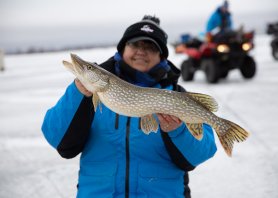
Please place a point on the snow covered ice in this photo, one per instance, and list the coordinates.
(33, 83)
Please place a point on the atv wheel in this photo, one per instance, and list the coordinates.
(211, 70)
(275, 53)
(248, 68)
(187, 70)
(224, 74)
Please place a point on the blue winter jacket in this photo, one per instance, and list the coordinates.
(117, 158)
(221, 20)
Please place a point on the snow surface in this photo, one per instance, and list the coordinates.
(30, 167)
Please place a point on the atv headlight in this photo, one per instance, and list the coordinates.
(246, 46)
(223, 48)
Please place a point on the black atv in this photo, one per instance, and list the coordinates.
(272, 29)
(218, 56)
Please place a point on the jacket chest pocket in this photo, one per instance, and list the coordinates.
(105, 121)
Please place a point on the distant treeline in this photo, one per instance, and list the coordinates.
(32, 50)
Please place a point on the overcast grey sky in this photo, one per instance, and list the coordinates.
(67, 12)
(56, 23)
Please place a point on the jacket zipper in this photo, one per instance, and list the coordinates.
(127, 158)
(117, 121)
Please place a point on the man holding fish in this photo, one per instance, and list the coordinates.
(120, 155)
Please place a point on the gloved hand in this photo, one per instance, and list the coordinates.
(208, 37)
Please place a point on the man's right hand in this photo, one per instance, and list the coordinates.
(82, 89)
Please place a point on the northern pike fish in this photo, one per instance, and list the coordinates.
(127, 99)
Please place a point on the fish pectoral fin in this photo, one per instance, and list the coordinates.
(205, 100)
(149, 124)
(96, 102)
(196, 129)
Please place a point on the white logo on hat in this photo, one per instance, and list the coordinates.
(146, 28)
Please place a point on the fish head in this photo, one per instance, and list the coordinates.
(90, 74)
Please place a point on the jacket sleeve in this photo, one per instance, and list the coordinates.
(213, 22)
(66, 126)
(186, 151)
(193, 150)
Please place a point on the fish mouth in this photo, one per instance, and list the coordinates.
(78, 62)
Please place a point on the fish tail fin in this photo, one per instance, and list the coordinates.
(228, 137)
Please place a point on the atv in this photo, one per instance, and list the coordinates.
(272, 29)
(217, 56)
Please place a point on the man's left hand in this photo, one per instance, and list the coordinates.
(168, 122)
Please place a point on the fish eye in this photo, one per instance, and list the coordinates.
(89, 67)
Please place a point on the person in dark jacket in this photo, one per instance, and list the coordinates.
(117, 159)
(220, 21)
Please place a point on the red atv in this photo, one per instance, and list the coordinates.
(217, 56)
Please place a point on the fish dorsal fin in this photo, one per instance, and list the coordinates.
(149, 124)
(205, 100)
(96, 102)
(196, 129)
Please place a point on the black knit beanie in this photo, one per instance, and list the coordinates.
(146, 29)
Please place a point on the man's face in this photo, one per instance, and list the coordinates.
(141, 55)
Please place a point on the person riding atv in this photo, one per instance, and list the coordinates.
(220, 52)
(219, 22)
